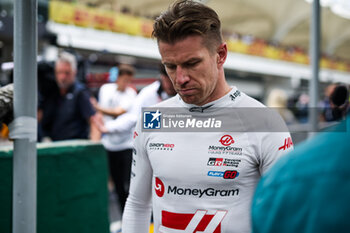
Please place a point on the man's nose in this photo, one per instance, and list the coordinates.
(181, 76)
(68, 75)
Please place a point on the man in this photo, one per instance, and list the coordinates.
(115, 99)
(67, 112)
(307, 190)
(180, 173)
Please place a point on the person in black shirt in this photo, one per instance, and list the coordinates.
(67, 112)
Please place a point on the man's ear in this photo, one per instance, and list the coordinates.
(222, 54)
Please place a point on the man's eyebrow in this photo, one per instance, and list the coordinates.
(193, 59)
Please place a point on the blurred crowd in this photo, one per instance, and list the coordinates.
(333, 106)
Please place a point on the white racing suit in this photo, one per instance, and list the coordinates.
(199, 181)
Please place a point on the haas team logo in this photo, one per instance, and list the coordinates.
(287, 144)
(201, 221)
(159, 187)
(226, 140)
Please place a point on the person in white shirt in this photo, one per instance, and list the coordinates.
(150, 95)
(115, 99)
(193, 181)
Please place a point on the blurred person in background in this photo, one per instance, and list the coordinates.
(113, 97)
(301, 106)
(172, 171)
(114, 100)
(336, 102)
(325, 104)
(307, 190)
(66, 113)
(339, 102)
(278, 100)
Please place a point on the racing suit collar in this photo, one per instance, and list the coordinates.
(221, 102)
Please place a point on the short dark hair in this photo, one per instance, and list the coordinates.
(340, 95)
(126, 70)
(186, 18)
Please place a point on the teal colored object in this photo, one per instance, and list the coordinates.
(113, 74)
(72, 191)
(308, 190)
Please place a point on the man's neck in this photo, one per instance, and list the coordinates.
(63, 91)
(120, 89)
(221, 90)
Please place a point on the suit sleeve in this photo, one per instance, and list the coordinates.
(273, 146)
(137, 212)
(275, 143)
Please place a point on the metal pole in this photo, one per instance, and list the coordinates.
(25, 102)
(314, 55)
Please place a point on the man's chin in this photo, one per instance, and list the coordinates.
(64, 85)
(189, 99)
